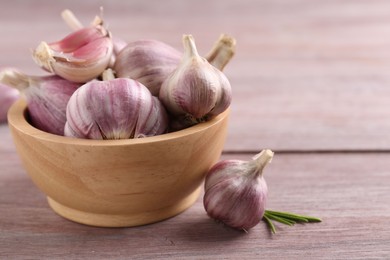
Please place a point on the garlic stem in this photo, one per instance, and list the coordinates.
(98, 20)
(71, 20)
(43, 56)
(108, 74)
(189, 46)
(222, 52)
(15, 79)
(261, 160)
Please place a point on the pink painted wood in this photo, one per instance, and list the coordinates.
(308, 76)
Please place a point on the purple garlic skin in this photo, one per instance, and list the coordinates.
(236, 192)
(195, 91)
(119, 44)
(8, 96)
(114, 109)
(46, 96)
(147, 61)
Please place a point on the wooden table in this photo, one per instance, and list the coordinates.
(311, 81)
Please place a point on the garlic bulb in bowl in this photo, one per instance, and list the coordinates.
(118, 108)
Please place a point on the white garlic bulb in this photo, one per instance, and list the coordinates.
(114, 109)
(196, 91)
(147, 61)
(46, 96)
(236, 192)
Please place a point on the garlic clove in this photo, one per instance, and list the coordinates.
(147, 61)
(114, 109)
(195, 91)
(8, 96)
(47, 97)
(236, 192)
(155, 120)
(224, 98)
(81, 56)
(72, 21)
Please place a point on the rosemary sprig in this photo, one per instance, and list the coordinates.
(292, 216)
(280, 219)
(286, 218)
(270, 224)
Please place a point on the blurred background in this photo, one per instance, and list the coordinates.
(308, 75)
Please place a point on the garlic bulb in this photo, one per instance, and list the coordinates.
(8, 96)
(47, 97)
(195, 91)
(236, 192)
(150, 62)
(81, 56)
(114, 109)
(147, 61)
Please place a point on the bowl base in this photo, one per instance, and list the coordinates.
(123, 220)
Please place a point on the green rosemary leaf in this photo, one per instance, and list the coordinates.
(280, 219)
(270, 224)
(313, 219)
(288, 215)
(295, 217)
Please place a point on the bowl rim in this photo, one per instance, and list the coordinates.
(16, 118)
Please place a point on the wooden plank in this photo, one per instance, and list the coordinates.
(348, 191)
(308, 75)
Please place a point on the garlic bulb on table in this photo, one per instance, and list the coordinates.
(8, 96)
(195, 91)
(81, 56)
(118, 108)
(236, 192)
(236, 195)
(47, 97)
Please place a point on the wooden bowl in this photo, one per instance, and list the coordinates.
(118, 183)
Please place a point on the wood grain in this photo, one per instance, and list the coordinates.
(348, 191)
(308, 76)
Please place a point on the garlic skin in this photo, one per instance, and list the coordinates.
(46, 96)
(236, 192)
(196, 91)
(8, 96)
(119, 45)
(81, 56)
(114, 109)
(147, 61)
